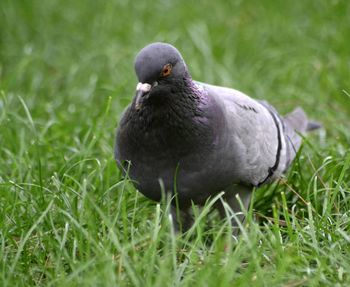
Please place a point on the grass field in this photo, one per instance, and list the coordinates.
(67, 218)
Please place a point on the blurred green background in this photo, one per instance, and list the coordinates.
(66, 74)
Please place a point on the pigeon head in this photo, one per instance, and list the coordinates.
(158, 66)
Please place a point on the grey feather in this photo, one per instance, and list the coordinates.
(297, 120)
(209, 138)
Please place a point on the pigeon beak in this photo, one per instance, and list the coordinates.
(142, 89)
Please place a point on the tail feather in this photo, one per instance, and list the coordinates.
(297, 120)
(313, 125)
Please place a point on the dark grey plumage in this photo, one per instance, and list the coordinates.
(211, 138)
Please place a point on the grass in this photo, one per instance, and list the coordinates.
(67, 218)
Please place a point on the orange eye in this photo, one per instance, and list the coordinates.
(166, 70)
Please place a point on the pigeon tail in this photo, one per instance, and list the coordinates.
(299, 122)
(313, 125)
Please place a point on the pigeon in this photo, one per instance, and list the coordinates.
(193, 140)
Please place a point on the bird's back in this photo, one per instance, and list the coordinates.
(255, 139)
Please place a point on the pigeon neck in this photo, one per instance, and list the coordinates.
(176, 109)
(172, 124)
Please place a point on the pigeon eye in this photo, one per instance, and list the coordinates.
(166, 70)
